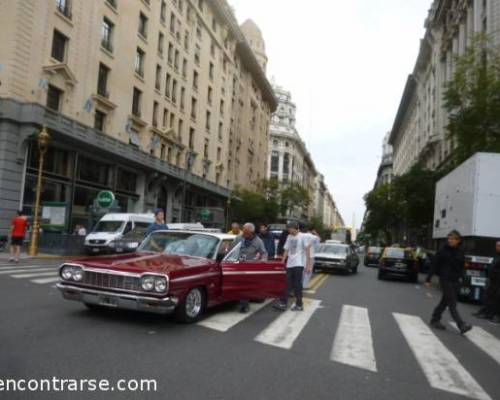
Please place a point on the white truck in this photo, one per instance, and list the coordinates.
(468, 200)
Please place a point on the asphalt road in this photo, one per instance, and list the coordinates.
(348, 344)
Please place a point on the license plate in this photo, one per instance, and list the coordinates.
(475, 281)
(95, 250)
(400, 265)
(108, 301)
(473, 273)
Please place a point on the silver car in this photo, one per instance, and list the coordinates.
(335, 256)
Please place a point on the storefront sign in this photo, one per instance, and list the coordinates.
(105, 199)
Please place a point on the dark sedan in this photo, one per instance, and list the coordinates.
(397, 261)
(372, 256)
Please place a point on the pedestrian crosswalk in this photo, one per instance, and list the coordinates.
(353, 343)
(40, 272)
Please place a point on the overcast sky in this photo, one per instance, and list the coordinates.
(346, 64)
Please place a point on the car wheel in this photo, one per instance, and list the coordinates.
(192, 307)
(380, 275)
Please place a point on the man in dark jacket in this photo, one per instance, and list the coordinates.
(268, 239)
(491, 307)
(449, 264)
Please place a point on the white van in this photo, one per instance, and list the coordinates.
(112, 227)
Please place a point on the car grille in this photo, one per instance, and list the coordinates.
(111, 281)
(97, 241)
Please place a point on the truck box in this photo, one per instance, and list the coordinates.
(468, 199)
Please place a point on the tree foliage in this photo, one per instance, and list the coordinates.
(472, 99)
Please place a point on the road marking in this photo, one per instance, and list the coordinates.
(34, 275)
(484, 340)
(14, 271)
(440, 366)
(285, 329)
(13, 266)
(313, 280)
(320, 282)
(353, 341)
(42, 281)
(224, 321)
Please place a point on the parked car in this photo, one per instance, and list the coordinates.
(397, 261)
(372, 256)
(113, 227)
(180, 272)
(335, 257)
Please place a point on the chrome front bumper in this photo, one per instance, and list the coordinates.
(136, 302)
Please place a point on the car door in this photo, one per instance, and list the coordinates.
(251, 280)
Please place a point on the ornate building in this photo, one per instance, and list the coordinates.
(162, 102)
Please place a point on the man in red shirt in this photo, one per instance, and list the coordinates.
(18, 230)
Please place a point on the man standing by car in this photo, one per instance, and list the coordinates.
(298, 258)
(19, 226)
(252, 249)
(449, 264)
(268, 239)
(491, 307)
(159, 224)
(235, 229)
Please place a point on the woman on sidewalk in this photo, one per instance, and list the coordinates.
(19, 226)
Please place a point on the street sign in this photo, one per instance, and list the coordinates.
(205, 213)
(105, 199)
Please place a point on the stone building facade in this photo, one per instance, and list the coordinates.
(162, 102)
(419, 130)
(385, 172)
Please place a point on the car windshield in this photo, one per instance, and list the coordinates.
(191, 244)
(108, 226)
(374, 250)
(332, 249)
(397, 253)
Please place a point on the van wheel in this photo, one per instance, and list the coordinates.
(192, 307)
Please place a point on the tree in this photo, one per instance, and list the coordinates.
(382, 213)
(289, 196)
(254, 207)
(472, 100)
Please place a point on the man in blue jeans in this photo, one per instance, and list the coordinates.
(298, 258)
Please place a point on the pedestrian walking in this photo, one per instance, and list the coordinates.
(448, 263)
(313, 239)
(159, 224)
(252, 249)
(297, 258)
(491, 302)
(268, 239)
(19, 226)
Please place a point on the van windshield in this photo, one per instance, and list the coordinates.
(108, 226)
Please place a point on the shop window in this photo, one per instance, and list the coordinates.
(56, 161)
(93, 171)
(126, 181)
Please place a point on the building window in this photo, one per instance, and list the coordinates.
(172, 120)
(222, 107)
(170, 57)
(212, 49)
(168, 81)
(205, 148)
(275, 161)
(172, 22)
(207, 121)
(64, 7)
(183, 98)
(161, 42)
(214, 24)
(286, 164)
(163, 151)
(197, 52)
(163, 11)
(165, 118)
(143, 25)
(155, 113)
(174, 91)
(158, 77)
(209, 95)
(193, 108)
(176, 60)
(180, 128)
(102, 81)
(221, 127)
(184, 68)
(136, 102)
(54, 97)
(99, 119)
(191, 138)
(112, 3)
(200, 5)
(195, 80)
(211, 71)
(139, 62)
(59, 43)
(107, 34)
(186, 40)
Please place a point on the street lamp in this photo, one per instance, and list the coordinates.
(43, 140)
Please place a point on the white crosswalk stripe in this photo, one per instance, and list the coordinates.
(35, 274)
(285, 329)
(14, 266)
(19, 270)
(43, 281)
(440, 366)
(484, 340)
(353, 343)
(224, 321)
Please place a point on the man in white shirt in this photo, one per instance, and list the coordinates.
(313, 240)
(298, 258)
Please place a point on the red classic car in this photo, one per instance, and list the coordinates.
(173, 271)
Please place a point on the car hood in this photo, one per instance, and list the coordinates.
(330, 255)
(107, 236)
(143, 262)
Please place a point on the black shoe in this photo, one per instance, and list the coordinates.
(465, 328)
(438, 325)
(495, 320)
(244, 309)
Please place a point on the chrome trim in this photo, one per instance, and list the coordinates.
(254, 272)
(194, 277)
(63, 286)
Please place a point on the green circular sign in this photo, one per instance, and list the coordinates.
(105, 199)
(205, 213)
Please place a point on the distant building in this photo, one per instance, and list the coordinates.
(385, 173)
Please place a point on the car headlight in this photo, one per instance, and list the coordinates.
(148, 283)
(72, 272)
(67, 272)
(112, 244)
(133, 245)
(160, 284)
(77, 274)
